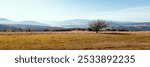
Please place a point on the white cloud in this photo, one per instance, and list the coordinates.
(137, 14)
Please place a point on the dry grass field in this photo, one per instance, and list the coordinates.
(75, 40)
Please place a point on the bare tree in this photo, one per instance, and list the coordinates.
(97, 25)
(28, 30)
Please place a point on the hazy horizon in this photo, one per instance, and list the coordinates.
(59, 10)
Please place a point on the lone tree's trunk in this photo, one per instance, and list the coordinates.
(96, 31)
(97, 25)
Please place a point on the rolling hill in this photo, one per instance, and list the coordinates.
(74, 23)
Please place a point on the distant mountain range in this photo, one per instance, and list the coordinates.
(6, 24)
(83, 23)
(9, 22)
(75, 23)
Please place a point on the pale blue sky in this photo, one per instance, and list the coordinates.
(50, 10)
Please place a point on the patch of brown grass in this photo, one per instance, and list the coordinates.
(75, 40)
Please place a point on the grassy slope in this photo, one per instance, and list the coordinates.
(140, 40)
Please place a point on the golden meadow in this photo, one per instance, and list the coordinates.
(74, 41)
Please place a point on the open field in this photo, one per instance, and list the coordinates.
(75, 40)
